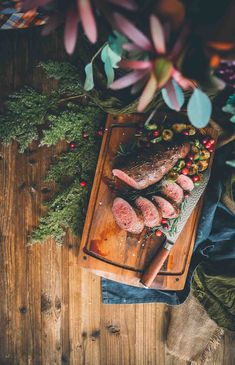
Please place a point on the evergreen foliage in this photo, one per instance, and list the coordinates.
(30, 115)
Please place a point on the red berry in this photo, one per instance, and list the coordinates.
(186, 195)
(83, 183)
(164, 220)
(158, 233)
(191, 156)
(196, 178)
(212, 141)
(72, 145)
(100, 132)
(165, 226)
(156, 133)
(186, 132)
(211, 149)
(185, 171)
(188, 163)
(208, 145)
(205, 140)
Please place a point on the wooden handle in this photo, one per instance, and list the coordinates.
(155, 266)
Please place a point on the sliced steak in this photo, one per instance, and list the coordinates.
(173, 191)
(185, 183)
(147, 167)
(126, 217)
(168, 209)
(152, 214)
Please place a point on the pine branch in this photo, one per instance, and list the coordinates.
(71, 124)
(25, 111)
(65, 210)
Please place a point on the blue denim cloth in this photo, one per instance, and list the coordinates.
(215, 242)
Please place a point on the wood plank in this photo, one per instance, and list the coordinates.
(90, 318)
(80, 326)
(8, 253)
(118, 340)
(51, 293)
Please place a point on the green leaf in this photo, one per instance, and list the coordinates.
(231, 163)
(89, 82)
(162, 70)
(110, 60)
(199, 109)
(116, 42)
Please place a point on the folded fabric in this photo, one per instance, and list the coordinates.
(192, 335)
(12, 18)
(214, 287)
(228, 196)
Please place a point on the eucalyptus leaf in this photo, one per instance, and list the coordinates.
(89, 82)
(178, 93)
(116, 42)
(231, 163)
(110, 60)
(199, 109)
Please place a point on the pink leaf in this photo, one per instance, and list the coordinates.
(130, 47)
(182, 81)
(126, 4)
(136, 65)
(139, 85)
(172, 95)
(147, 94)
(87, 19)
(180, 43)
(157, 33)
(70, 31)
(128, 80)
(130, 31)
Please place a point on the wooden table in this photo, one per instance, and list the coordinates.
(50, 310)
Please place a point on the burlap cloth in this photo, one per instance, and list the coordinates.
(192, 335)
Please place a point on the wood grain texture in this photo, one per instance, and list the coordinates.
(50, 309)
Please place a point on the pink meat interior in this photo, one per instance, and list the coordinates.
(168, 210)
(127, 179)
(149, 211)
(173, 191)
(126, 217)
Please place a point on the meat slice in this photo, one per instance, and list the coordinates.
(147, 167)
(168, 209)
(152, 214)
(185, 183)
(173, 191)
(126, 217)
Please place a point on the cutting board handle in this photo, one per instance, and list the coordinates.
(155, 266)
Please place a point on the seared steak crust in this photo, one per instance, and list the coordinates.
(148, 167)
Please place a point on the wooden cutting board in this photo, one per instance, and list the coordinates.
(113, 253)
